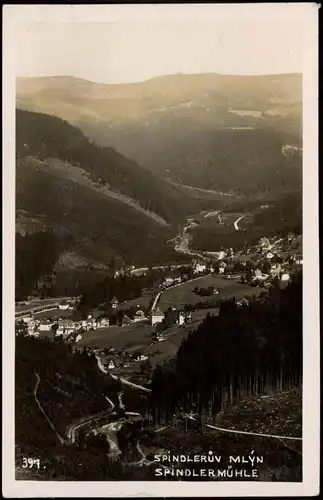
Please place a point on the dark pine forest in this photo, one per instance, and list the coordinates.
(245, 350)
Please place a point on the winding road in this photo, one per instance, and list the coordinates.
(59, 437)
(234, 431)
(236, 227)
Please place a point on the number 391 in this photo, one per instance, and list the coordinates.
(29, 463)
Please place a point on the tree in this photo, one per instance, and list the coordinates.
(54, 329)
(249, 275)
(266, 267)
(146, 368)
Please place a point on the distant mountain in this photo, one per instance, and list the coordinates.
(210, 131)
(100, 204)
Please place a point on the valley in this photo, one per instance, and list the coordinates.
(193, 129)
(158, 253)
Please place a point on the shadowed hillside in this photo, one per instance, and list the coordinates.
(43, 136)
(99, 204)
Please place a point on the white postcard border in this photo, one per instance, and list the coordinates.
(15, 16)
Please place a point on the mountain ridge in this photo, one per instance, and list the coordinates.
(161, 76)
(186, 127)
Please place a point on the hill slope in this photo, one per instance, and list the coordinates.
(44, 136)
(209, 130)
(100, 205)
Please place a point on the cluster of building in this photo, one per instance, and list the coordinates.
(276, 271)
(276, 258)
(271, 258)
(170, 317)
(112, 358)
(70, 329)
(121, 360)
(64, 327)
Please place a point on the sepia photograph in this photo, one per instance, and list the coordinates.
(161, 331)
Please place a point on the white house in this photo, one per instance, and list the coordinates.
(142, 357)
(199, 268)
(28, 318)
(111, 364)
(221, 255)
(102, 323)
(285, 277)
(64, 306)
(222, 267)
(78, 337)
(65, 327)
(169, 281)
(269, 255)
(45, 326)
(157, 316)
(181, 318)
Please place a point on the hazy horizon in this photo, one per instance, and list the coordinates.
(155, 77)
(135, 51)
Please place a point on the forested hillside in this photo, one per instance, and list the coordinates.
(245, 350)
(85, 205)
(36, 273)
(43, 136)
(54, 389)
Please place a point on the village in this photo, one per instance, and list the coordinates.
(122, 334)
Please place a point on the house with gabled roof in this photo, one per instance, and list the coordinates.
(114, 303)
(222, 267)
(157, 316)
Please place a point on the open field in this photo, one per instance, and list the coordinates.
(139, 335)
(183, 294)
(161, 351)
(211, 219)
(55, 314)
(134, 336)
(142, 302)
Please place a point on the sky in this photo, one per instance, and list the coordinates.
(129, 51)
